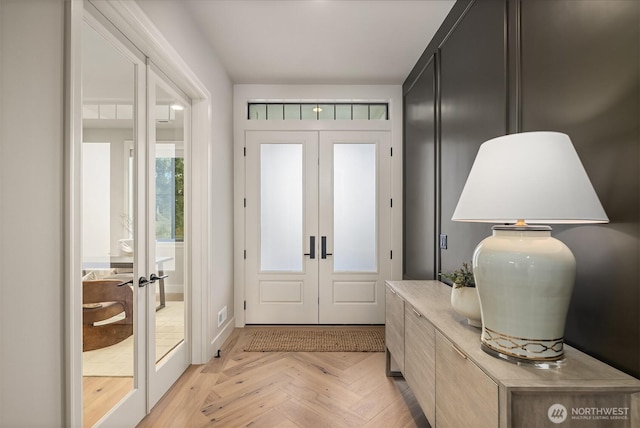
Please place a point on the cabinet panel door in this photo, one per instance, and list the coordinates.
(473, 109)
(394, 327)
(467, 397)
(419, 177)
(420, 360)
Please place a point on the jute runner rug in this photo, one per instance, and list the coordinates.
(317, 339)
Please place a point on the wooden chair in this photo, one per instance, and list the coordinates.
(101, 300)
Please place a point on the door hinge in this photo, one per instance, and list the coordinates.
(245, 202)
(245, 254)
(391, 202)
(391, 151)
(244, 150)
(245, 305)
(391, 254)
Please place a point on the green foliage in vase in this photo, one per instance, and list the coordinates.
(462, 277)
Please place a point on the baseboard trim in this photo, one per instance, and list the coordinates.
(219, 340)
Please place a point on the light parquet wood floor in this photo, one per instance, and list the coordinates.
(287, 390)
(100, 394)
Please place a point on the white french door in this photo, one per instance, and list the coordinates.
(317, 227)
(167, 215)
(135, 229)
(282, 227)
(113, 234)
(355, 222)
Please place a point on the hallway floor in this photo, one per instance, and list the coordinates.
(287, 389)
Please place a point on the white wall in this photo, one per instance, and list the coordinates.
(117, 139)
(96, 203)
(177, 26)
(31, 213)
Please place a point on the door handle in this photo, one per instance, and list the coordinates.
(312, 248)
(142, 281)
(323, 248)
(126, 282)
(154, 277)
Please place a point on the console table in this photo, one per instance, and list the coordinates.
(457, 384)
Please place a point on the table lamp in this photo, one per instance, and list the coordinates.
(524, 276)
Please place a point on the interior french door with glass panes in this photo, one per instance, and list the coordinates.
(113, 236)
(169, 137)
(135, 210)
(317, 227)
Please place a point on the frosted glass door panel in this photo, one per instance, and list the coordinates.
(281, 207)
(354, 206)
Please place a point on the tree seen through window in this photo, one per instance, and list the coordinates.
(170, 199)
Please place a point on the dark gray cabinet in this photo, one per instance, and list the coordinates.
(503, 66)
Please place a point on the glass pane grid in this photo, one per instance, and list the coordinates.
(318, 111)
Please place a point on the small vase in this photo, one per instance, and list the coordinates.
(465, 302)
(126, 247)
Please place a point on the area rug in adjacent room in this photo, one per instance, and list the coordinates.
(317, 339)
(117, 360)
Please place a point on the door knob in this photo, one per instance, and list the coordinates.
(142, 281)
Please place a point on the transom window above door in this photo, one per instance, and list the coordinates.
(317, 111)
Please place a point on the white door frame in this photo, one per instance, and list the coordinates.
(136, 26)
(391, 94)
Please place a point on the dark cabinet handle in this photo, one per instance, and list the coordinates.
(312, 248)
(323, 248)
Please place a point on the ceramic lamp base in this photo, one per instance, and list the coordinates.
(524, 279)
(553, 364)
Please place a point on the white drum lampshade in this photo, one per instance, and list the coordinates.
(525, 277)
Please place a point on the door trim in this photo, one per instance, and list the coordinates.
(74, 11)
(392, 94)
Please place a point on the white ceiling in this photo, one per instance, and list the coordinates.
(319, 41)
